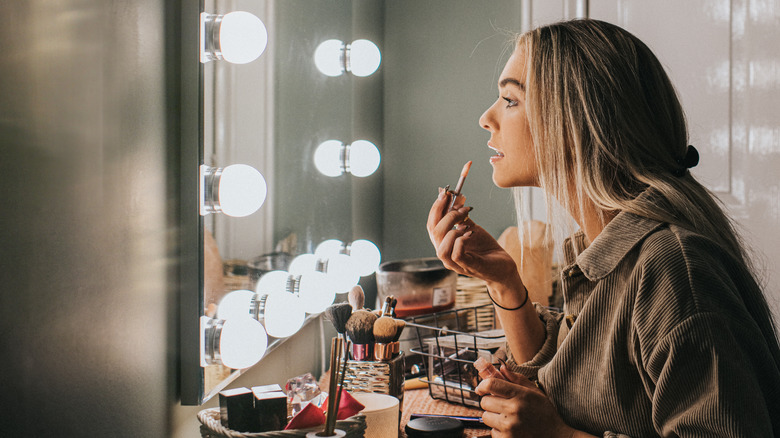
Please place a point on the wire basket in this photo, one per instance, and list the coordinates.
(449, 342)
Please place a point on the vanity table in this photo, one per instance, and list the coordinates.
(419, 401)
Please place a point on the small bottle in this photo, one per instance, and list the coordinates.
(486, 369)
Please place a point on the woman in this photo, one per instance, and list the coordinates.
(665, 331)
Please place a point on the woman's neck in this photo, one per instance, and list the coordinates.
(593, 219)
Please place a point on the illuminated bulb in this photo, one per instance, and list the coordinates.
(333, 158)
(237, 190)
(365, 255)
(243, 342)
(329, 58)
(282, 313)
(362, 158)
(236, 343)
(236, 304)
(237, 37)
(329, 248)
(316, 292)
(272, 282)
(363, 58)
(313, 288)
(305, 263)
(342, 272)
(328, 158)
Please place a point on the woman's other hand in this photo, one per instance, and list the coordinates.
(516, 407)
(465, 247)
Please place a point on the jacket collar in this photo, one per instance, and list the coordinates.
(602, 256)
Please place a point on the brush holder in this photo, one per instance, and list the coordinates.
(386, 377)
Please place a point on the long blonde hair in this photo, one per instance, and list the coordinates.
(607, 125)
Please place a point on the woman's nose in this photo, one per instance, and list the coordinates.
(484, 119)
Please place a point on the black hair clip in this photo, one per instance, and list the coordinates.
(690, 160)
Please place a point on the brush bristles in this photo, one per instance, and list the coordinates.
(384, 330)
(339, 314)
(400, 325)
(356, 297)
(360, 327)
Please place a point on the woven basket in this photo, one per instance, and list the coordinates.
(211, 427)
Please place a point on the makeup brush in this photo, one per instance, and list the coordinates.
(395, 345)
(338, 314)
(360, 329)
(384, 332)
(459, 185)
(392, 307)
(335, 353)
(386, 306)
(357, 297)
(400, 325)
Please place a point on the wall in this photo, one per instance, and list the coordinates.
(88, 254)
(431, 113)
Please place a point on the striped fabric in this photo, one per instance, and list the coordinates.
(656, 339)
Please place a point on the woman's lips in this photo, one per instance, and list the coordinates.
(499, 155)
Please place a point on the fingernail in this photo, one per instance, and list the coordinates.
(468, 233)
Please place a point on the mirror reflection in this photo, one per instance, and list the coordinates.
(347, 102)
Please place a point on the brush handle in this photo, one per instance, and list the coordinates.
(383, 352)
(330, 419)
(362, 351)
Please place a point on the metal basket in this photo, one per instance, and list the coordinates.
(448, 343)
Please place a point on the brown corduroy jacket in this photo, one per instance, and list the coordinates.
(656, 338)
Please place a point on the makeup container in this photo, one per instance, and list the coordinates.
(382, 413)
(270, 408)
(434, 427)
(421, 286)
(237, 409)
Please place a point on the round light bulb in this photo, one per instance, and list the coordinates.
(364, 158)
(242, 342)
(242, 37)
(316, 292)
(242, 190)
(364, 58)
(329, 248)
(342, 272)
(283, 315)
(236, 304)
(366, 256)
(328, 159)
(303, 264)
(329, 57)
(272, 282)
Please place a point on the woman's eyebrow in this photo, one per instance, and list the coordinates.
(517, 83)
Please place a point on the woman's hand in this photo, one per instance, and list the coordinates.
(465, 247)
(515, 407)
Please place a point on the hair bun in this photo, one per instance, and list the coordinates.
(690, 160)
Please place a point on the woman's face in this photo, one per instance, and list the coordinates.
(514, 163)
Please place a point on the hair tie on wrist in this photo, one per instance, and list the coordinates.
(690, 160)
(508, 308)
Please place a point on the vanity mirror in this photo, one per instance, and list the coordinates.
(316, 130)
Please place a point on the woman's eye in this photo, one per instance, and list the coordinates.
(509, 102)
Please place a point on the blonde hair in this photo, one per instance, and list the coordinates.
(607, 125)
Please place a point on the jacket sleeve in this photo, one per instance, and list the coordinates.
(702, 357)
(704, 383)
(552, 323)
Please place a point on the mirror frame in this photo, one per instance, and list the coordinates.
(190, 220)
